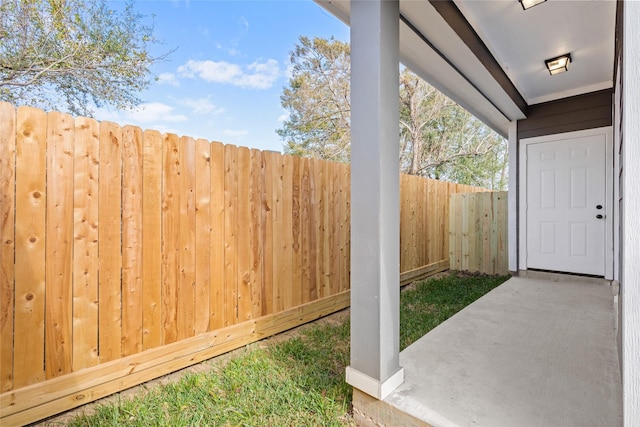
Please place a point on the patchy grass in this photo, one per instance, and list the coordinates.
(296, 382)
(429, 303)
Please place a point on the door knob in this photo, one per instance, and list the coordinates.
(599, 216)
(598, 206)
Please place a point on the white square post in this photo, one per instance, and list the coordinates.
(375, 198)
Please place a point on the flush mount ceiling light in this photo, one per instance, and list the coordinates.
(559, 64)
(526, 4)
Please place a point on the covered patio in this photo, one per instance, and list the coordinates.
(533, 352)
(543, 350)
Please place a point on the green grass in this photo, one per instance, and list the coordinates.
(297, 382)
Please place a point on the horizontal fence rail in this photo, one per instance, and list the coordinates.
(127, 254)
(478, 232)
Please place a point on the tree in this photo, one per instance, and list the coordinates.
(438, 138)
(318, 100)
(441, 140)
(73, 53)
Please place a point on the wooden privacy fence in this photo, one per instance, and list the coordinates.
(478, 232)
(126, 255)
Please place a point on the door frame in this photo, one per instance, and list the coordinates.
(608, 173)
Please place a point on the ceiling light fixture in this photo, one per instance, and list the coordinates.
(559, 64)
(526, 4)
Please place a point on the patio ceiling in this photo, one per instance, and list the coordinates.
(488, 56)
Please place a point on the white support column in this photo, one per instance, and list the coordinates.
(375, 198)
(513, 196)
(630, 284)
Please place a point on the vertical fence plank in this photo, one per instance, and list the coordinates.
(494, 231)
(202, 235)
(7, 241)
(405, 221)
(109, 242)
(255, 227)
(243, 230)
(217, 287)
(487, 208)
(334, 238)
(452, 232)
(321, 204)
(464, 235)
(307, 240)
(267, 173)
(345, 227)
(231, 234)
(132, 229)
(151, 240)
(170, 236)
(502, 221)
(287, 227)
(85, 253)
(59, 245)
(421, 238)
(187, 227)
(477, 240)
(28, 366)
(296, 230)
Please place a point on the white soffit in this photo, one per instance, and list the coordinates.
(521, 40)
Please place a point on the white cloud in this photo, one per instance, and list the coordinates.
(283, 117)
(201, 106)
(155, 112)
(168, 79)
(259, 75)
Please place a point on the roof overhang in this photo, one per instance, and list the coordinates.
(467, 53)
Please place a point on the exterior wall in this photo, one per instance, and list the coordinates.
(617, 178)
(630, 191)
(588, 111)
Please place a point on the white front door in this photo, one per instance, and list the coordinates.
(565, 197)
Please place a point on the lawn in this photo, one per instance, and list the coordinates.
(293, 382)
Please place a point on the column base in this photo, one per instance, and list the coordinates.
(373, 387)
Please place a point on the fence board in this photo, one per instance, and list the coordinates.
(231, 234)
(187, 230)
(152, 240)
(132, 226)
(109, 241)
(244, 253)
(59, 245)
(7, 241)
(255, 227)
(267, 220)
(307, 240)
(202, 235)
(345, 228)
(217, 287)
(85, 253)
(28, 365)
(296, 231)
(334, 235)
(170, 237)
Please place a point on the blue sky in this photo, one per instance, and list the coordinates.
(224, 81)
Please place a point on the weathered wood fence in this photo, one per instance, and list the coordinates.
(126, 255)
(478, 232)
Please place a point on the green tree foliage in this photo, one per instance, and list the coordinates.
(438, 138)
(441, 140)
(318, 100)
(72, 53)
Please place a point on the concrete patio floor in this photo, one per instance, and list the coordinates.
(530, 353)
